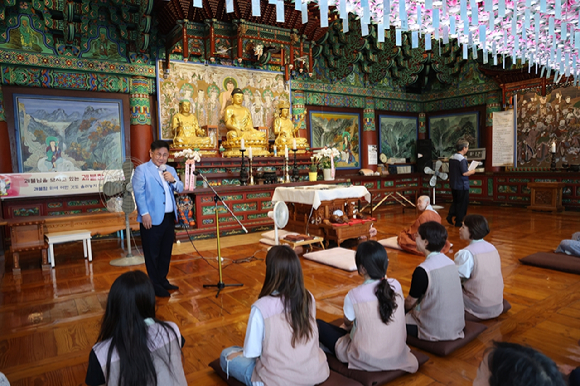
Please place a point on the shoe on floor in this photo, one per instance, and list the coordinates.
(161, 292)
(170, 287)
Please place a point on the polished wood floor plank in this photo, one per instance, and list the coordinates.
(49, 320)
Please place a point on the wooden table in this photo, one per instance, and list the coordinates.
(315, 240)
(27, 234)
(546, 196)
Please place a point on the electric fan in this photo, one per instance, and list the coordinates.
(280, 216)
(433, 181)
(118, 192)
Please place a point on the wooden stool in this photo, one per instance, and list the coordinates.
(27, 234)
(65, 237)
(315, 240)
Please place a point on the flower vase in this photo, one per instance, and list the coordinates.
(313, 176)
(327, 173)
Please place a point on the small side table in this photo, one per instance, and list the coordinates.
(65, 237)
(546, 196)
(27, 234)
(315, 240)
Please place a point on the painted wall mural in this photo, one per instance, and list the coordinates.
(543, 120)
(58, 134)
(339, 130)
(398, 136)
(209, 88)
(445, 130)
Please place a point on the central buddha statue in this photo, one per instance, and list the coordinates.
(238, 120)
(188, 134)
(286, 132)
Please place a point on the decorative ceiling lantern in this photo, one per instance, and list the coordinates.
(544, 33)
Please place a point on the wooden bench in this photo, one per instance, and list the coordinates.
(65, 237)
(27, 234)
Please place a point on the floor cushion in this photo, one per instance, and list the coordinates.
(272, 234)
(371, 378)
(336, 257)
(391, 242)
(472, 318)
(335, 379)
(446, 347)
(556, 261)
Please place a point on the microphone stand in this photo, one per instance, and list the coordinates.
(220, 285)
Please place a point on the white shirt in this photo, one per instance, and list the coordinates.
(464, 261)
(168, 193)
(348, 308)
(254, 334)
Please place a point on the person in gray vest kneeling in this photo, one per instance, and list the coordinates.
(434, 305)
(479, 267)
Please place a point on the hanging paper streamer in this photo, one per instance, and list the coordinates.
(436, 22)
(452, 26)
(567, 65)
(304, 13)
(415, 39)
(543, 6)
(558, 9)
(366, 19)
(445, 35)
(465, 52)
(564, 31)
(491, 21)
(428, 4)
(428, 42)
(297, 5)
(386, 14)
(256, 7)
(482, 34)
(342, 9)
(398, 39)
(323, 13)
(186, 183)
(345, 25)
(381, 33)
(280, 12)
(229, 6)
(403, 16)
(474, 13)
(551, 26)
(364, 28)
(192, 177)
(197, 3)
(501, 9)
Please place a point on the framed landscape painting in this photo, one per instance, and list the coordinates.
(445, 130)
(339, 130)
(62, 134)
(398, 136)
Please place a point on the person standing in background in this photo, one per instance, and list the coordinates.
(459, 182)
(153, 185)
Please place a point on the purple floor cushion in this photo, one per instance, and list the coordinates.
(556, 261)
(446, 347)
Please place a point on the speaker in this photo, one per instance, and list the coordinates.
(424, 147)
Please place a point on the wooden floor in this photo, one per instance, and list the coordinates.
(49, 321)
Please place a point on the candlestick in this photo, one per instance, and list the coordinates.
(243, 144)
(287, 175)
(286, 151)
(294, 144)
(275, 151)
(251, 174)
(250, 153)
(243, 172)
(295, 172)
(553, 149)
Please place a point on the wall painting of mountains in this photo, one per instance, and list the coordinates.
(445, 130)
(398, 136)
(59, 134)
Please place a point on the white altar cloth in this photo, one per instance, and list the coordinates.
(315, 194)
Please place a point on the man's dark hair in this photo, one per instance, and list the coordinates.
(477, 225)
(158, 145)
(511, 364)
(435, 234)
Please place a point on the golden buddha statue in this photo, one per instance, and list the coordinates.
(238, 120)
(286, 132)
(188, 134)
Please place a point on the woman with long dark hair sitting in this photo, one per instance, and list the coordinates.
(375, 315)
(134, 348)
(281, 346)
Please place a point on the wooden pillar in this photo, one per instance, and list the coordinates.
(492, 105)
(5, 151)
(141, 132)
(369, 134)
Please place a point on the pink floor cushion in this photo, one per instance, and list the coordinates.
(391, 242)
(472, 318)
(335, 379)
(336, 257)
(446, 347)
(556, 261)
(371, 378)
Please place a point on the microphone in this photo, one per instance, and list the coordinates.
(162, 168)
(196, 172)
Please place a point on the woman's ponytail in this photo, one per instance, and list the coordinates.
(387, 304)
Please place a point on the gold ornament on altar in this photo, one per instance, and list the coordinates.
(287, 132)
(238, 121)
(188, 134)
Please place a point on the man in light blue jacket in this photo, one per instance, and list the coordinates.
(153, 185)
